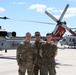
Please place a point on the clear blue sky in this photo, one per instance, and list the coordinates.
(34, 10)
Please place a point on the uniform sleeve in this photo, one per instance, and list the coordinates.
(18, 52)
(40, 53)
(55, 50)
(41, 50)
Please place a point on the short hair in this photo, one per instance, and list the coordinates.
(37, 32)
(28, 33)
(49, 34)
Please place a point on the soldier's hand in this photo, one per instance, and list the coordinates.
(40, 53)
(33, 65)
(19, 65)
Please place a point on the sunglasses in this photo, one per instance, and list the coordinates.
(37, 35)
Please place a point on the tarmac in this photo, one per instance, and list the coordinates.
(65, 62)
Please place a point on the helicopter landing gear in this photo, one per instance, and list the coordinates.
(5, 51)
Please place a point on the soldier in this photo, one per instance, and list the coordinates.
(25, 55)
(37, 43)
(48, 52)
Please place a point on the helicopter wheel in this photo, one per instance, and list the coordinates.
(5, 51)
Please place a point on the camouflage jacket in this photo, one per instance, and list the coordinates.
(38, 47)
(48, 53)
(26, 53)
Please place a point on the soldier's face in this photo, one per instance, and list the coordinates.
(49, 38)
(28, 37)
(37, 36)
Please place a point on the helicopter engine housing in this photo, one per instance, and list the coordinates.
(8, 34)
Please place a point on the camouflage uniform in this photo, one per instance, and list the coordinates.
(37, 65)
(25, 59)
(48, 59)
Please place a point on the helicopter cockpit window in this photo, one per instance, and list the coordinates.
(64, 39)
(1, 44)
(69, 39)
(73, 40)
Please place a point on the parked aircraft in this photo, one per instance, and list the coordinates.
(57, 34)
(69, 40)
(6, 42)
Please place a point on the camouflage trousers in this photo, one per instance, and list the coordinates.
(48, 69)
(36, 69)
(22, 70)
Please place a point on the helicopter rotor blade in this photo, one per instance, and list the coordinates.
(64, 12)
(33, 21)
(4, 17)
(51, 16)
(69, 29)
(26, 20)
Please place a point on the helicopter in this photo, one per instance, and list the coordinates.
(60, 28)
(69, 40)
(6, 42)
(57, 34)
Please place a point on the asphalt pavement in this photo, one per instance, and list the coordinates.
(65, 62)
